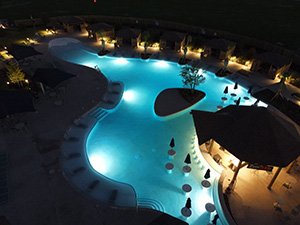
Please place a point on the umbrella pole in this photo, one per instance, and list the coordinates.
(42, 88)
(288, 170)
(211, 145)
(230, 187)
(274, 178)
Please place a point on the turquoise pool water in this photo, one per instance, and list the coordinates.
(130, 144)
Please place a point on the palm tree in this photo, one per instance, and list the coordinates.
(101, 36)
(15, 74)
(280, 92)
(192, 76)
(146, 41)
(186, 42)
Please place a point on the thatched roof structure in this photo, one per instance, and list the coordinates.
(252, 134)
(274, 59)
(128, 33)
(219, 43)
(172, 36)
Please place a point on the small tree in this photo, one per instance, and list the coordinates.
(187, 41)
(100, 35)
(146, 41)
(15, 74)
(192, 76)
(280, 92)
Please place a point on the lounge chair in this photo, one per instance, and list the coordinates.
(113, 196)
(78, 170)
(93, 184)
(74, 155)
(72, 139)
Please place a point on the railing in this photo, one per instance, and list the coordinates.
(221, 207)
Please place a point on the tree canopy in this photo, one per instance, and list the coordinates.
(15, 74)
(192, 76)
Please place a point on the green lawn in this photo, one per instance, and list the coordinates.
(271, 20)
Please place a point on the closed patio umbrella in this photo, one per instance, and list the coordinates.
(225, 90)
(188, 203)
(235, 86)
(187, 159)
(238, 101)
(207, 174)
(172, 143)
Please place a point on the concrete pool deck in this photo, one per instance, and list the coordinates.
(38, 192)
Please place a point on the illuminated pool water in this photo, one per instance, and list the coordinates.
(130, 144)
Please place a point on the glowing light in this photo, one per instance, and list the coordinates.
(89, 64)
(121, 61)
(99, 162)
(262, 104)
(200, 71)
(203, 198)
(129, 96)
(162, 64)
(233, 59)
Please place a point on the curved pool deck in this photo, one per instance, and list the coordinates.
(118, 156)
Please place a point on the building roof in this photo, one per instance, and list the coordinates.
(172, 36)
(252, 134)
(219, 43)
(72, 20)
(127, 32)
(21, 51)
(274, 59)
(101, 27)
(280, 102)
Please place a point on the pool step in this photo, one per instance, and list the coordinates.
(150, 204)
(98, 113)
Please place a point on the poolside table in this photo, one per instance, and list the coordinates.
(186, 212)
(171, 153)
(205, 183)
(169, 167)
(210, 207)
(186, 170)
(186, 188)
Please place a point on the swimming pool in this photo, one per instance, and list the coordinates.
(130, 144)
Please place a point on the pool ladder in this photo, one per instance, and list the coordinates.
(98, 113)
